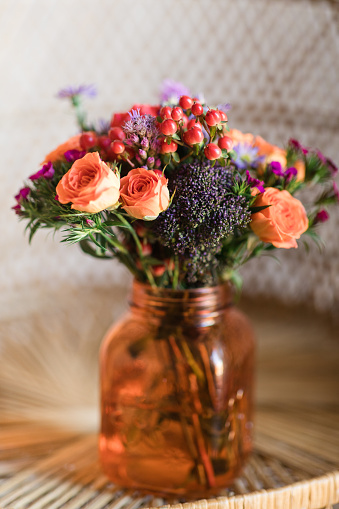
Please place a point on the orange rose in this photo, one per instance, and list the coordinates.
(90, 185)
(281, 223)
(144, 194)
(71, 144)
(239, 137)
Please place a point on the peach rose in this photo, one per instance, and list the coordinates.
(144, 194)
(90, 185)
(239, 137)
(58, 153)
(281, 223)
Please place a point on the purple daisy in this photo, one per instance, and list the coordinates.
(171, 91)
(70, 92)
(246, 156)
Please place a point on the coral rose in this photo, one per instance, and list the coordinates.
(58, 153)
(281, 223)
(144, 194)
(90, 185)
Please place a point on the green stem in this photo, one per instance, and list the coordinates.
(175, 273)
(139, 249)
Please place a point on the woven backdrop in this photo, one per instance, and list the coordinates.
(276, 62)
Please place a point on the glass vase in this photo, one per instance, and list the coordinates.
(176, 392)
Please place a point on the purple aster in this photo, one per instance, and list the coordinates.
(70, 92)
(322, 216)
(73, 155)
(253, 182)
(46, 172)
(246, 156)
(225, 107)
(141, 126)
(171, 91)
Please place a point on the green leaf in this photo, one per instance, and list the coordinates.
(176, 157)
(88, 249)
(254, 210)
(114, 222)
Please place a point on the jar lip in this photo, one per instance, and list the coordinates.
(212, 297)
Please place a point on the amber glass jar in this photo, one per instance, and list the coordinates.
(176, 392)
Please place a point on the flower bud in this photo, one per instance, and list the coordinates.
(145, 143)
(150, 162)
(142, 153)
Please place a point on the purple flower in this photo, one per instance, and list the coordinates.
(22, 194)
(322, 216)
(225, 107)
(46, 172)
(297, 146)
(141, 126)
(70, 92)
(276, 168)
(246, 156)
(290, 172)
(171, 91)
(73, 155)
(253, 182)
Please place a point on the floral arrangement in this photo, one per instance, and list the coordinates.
(175, 194)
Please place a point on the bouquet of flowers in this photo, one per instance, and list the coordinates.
(175, 194)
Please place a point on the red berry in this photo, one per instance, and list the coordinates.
(146, 249)
(168, 149)
(225, 143)
(158, 270)
(197, 109)
(184, 120)
(193, 136)
(88, 140)
(104, 142)
(185, 102)
(212, 118)
(116, 133)
(158, 172)
(168, 127)
(117, 147)
(223, 116)
(212, 151)
(194, 123)
(165, 112)
(177, 113)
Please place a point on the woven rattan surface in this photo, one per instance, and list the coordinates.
(48, 405)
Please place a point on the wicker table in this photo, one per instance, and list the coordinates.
(48, 404)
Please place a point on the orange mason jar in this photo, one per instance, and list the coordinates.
(176, 392)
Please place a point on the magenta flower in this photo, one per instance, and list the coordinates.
(20, 197)
(336, 190)
(322, 216)
(73, 155)
(46, 172)
(298, 146)
(70, 92)
(332, 167)
(253, 182)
